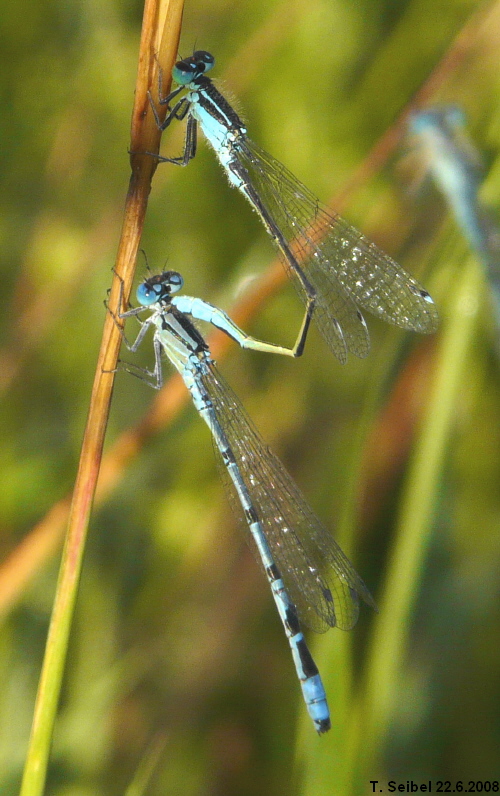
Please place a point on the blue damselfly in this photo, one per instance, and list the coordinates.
(336, 267)
(308, 573)
(446, 153)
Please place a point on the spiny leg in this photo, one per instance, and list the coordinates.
(190, 143)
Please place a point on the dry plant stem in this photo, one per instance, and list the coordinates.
(42, 541)
(144, 137)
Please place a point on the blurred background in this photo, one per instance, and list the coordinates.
(179, 678)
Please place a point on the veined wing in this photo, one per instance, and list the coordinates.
(318, 576)
(336, 258)
(336, 315)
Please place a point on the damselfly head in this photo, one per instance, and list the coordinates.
(450, 117)
(159, 288)
(190, 68)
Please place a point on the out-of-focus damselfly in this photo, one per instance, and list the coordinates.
(336, 267)
(308, 573)
(447, 154)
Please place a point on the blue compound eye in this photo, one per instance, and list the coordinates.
(175, 281)
(420, 121)
(203, 60)
(185, 71)
(148, 294)
(455, 116)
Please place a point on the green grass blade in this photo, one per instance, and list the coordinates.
(414, 526)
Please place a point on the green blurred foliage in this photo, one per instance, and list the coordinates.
(179, 678)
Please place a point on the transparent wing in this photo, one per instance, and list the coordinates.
(344, 267)
(318, 576)
(292, 209)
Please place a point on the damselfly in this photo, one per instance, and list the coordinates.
(335, 266)
(440, 138)
(307, 571)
